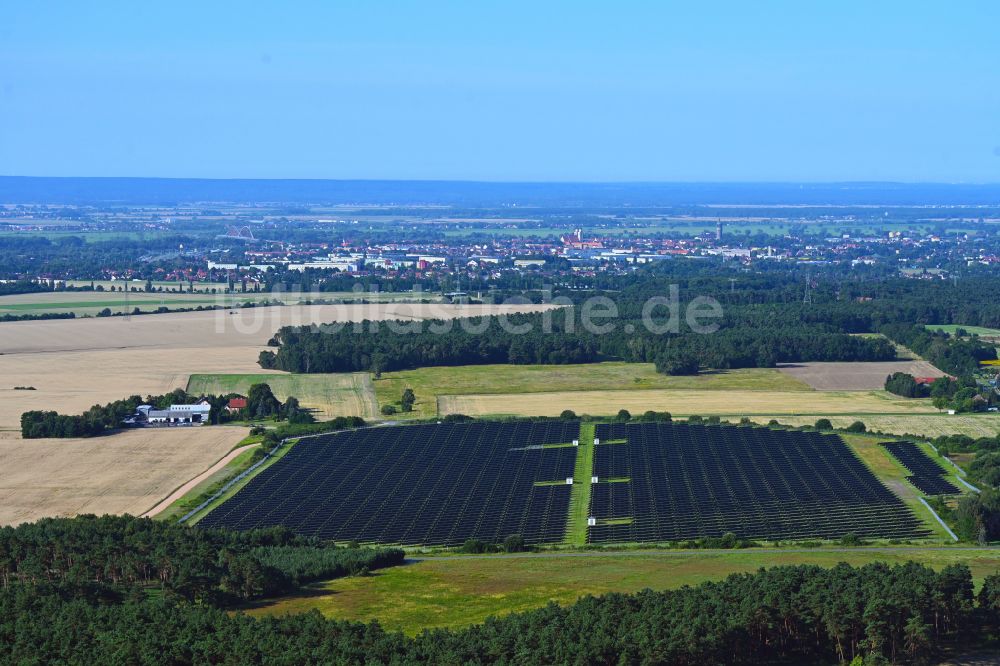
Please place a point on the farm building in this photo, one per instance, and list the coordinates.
(236, 404)
(195, 414)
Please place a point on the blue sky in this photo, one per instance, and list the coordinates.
(563, 91)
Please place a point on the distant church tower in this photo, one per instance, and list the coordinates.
(718, 230)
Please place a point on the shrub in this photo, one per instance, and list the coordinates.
(514, 544)
(823, 424)
(474, 547)
(857, 426)
(851, 539)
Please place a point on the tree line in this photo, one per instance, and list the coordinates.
(561, 338)
(961, 395)
(261, 404)
(764, 322)
(956, 356)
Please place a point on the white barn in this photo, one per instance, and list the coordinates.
(195, 414)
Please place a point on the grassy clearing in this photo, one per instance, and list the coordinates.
(88, 236)
(978, 330)
(341, 394)
(683, 403)
(457, 592)
(926, 425)
(429, 383)
(89, 303)
(579, 503)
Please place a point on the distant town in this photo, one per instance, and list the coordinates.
(234, 249)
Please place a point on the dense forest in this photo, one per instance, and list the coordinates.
(763, 323)
(121, 553)
(794, 614)
(377, 347)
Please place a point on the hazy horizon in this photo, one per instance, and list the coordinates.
(465, 193)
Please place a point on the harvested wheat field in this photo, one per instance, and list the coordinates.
(74, 364)
(855, 376)
(71, 382)
(251, 327)
(127, 472)
(926, 425)
(684, 402)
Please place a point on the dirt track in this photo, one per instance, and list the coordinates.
(190, 485)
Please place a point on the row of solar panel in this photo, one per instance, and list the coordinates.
(693, 481)
(437, 484)
(927, 475)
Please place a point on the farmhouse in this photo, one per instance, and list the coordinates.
(195, 414)
(236, 404)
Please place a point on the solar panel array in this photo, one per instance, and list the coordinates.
(927, 475)
(437, 484)
(694, 481)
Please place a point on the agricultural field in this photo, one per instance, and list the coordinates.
(74, 364)
(971, 330)
(330, 395)
(855, 376)
(460, 591)
(429, 383)
(71, 382)
(88, 236)
(128, 472)
(250, 327)
(189, 496)
(90, 303)
(925, 425)
(687, 402)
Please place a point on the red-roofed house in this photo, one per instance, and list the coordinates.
(236, 404)
(930, 380)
